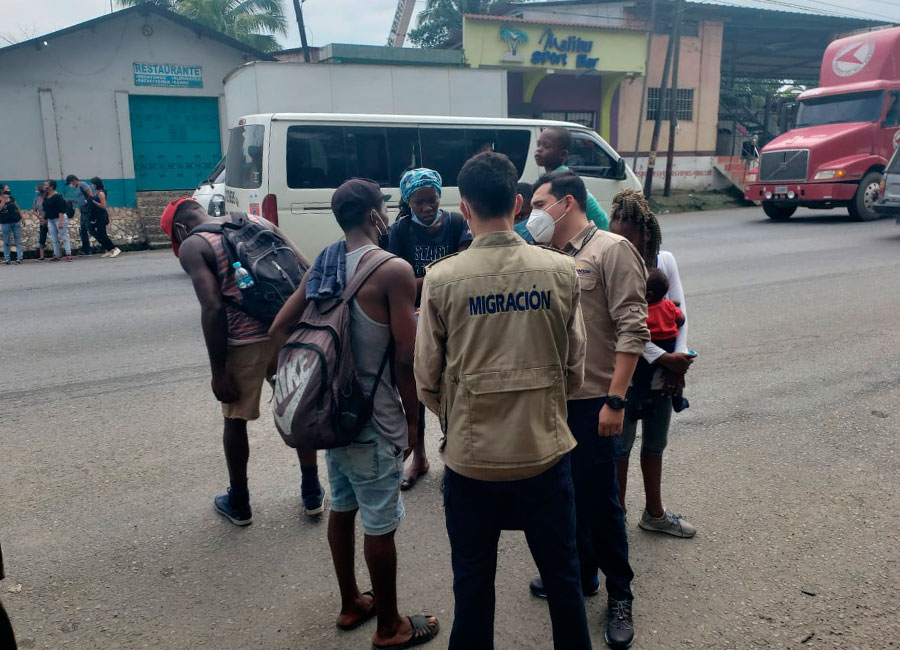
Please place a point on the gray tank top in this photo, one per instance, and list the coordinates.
(368, 340)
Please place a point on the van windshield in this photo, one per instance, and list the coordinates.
(243, 163)
(840, 109)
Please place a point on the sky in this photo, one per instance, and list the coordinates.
(327, 21)
(356, 21)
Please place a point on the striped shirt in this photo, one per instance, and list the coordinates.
(242, 328)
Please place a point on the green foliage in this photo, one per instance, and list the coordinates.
(440, 22)
(254, 22)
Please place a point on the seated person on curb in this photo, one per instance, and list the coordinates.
(365, 475)
(240, 351)
(664, 319)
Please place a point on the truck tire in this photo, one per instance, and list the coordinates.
(778, 212)
(862, 205)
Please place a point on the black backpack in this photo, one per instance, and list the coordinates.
(404, 236)
(275, 268)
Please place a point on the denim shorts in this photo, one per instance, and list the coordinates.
(366, 475)
(654, 430)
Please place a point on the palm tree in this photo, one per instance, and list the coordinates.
(440, 22)
(254, 22)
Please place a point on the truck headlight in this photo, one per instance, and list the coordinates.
(751, 178)
(828, 174)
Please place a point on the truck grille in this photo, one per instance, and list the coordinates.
(778, 166)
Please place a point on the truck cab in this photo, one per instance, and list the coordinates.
(845, 134)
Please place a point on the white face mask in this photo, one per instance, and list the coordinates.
(541, 224)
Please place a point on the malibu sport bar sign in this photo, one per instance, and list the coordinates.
(168, 75)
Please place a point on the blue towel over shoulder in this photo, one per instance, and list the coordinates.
(328, 274)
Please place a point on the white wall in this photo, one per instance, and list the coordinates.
(83, 70)
(264, 87)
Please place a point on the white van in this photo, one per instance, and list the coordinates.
(285, 166)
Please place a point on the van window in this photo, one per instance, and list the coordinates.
(326, 156)
(515, 144)
(243, 163)
(588, 157)
(447, 150)
(404, 152)
(315, 157)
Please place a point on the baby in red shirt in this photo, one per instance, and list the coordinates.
(663, 316)
(664, 319)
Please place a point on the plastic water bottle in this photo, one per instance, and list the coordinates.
(242, 276)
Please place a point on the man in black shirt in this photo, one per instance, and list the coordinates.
(55, 212)
(11, 224)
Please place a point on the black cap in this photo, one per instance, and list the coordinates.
(351, 200)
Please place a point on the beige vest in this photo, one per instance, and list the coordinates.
(500, 344)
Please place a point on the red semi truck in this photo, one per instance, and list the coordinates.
(846, 131)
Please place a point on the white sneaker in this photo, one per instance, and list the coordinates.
(670, 523)
(115, 252)
(106, 254)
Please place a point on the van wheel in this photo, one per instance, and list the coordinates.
(862, 205)
(778, 212)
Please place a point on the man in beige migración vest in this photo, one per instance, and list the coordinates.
(499, 346)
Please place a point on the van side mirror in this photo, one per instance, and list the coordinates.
(620, 170)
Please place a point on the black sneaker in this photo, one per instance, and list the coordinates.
(619, 624)
(241, 516)
(537, 587)
(313, 501)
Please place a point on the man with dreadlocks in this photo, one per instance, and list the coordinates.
(632, 219)
(613, 282)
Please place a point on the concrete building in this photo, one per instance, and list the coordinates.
(135, 97)
(583, 61)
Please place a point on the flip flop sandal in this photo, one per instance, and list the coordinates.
(421, 633)
(367, 617)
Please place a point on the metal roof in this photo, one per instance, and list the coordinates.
(145, 9)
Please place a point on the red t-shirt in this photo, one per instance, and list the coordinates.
(662, 319)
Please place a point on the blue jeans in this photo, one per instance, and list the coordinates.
(366, 475)
(57, 233)
(602, 540)
(543, 507)
(10, 231)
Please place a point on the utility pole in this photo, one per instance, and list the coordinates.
(673, 96)
(637, 143)
(298, 10)
(657, 125)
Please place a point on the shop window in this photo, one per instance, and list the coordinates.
(689, 28)
(589, 158)
(684, 104)
(584, 118)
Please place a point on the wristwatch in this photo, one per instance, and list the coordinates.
(615, 402)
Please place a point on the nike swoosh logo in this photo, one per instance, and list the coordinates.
(293, 375)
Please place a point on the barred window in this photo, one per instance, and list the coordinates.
(684, 104)
(584, 118)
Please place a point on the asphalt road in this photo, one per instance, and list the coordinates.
(787, 462)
